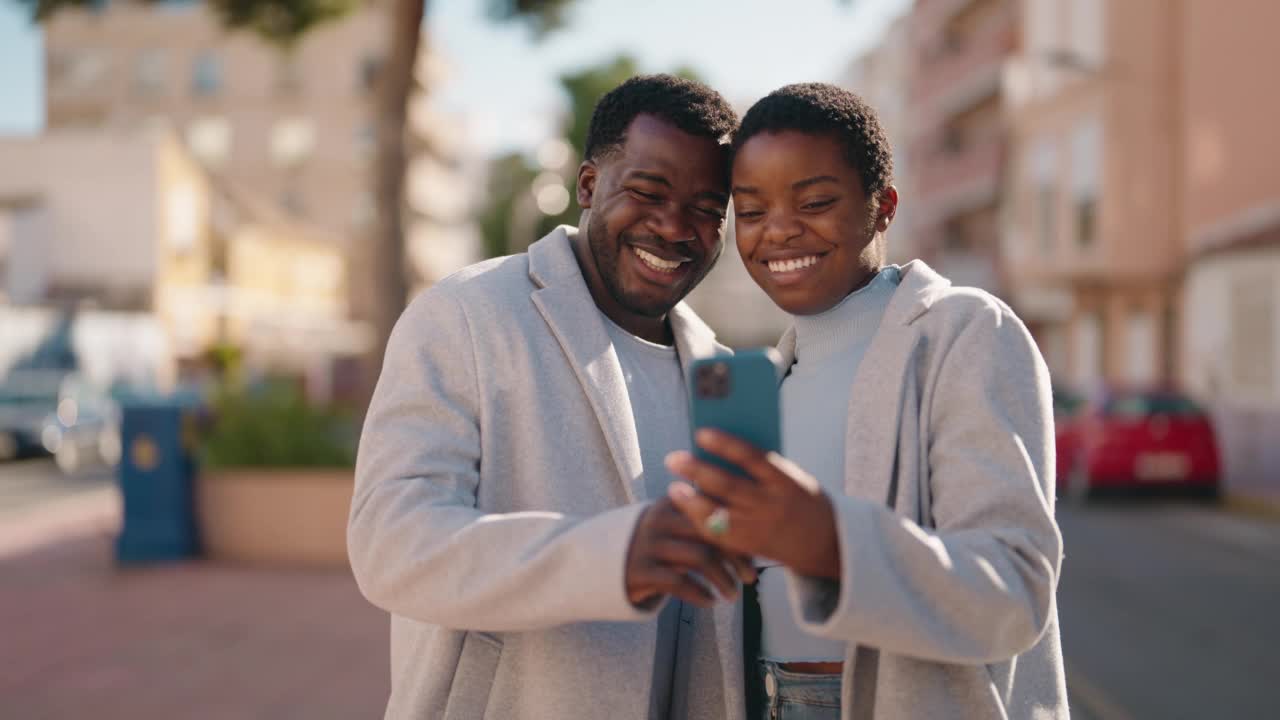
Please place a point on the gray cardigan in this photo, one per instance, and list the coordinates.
(949, 548)
(498, 483)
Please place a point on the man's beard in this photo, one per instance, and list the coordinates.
(607, 255)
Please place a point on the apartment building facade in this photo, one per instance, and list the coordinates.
(957, 136)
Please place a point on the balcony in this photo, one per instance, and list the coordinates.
(967, 55)
(950, 182)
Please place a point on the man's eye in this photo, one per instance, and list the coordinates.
(651, 197)
(711, 213)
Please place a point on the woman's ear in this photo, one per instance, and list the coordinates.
(886, 207)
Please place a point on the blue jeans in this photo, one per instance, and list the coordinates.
(798, 696)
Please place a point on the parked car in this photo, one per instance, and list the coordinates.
(83, 432)
(27, 396)
(1134, 439)
(1066, 405)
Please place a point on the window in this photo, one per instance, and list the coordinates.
(1140, 349)
(952, 139)
(1044, 172)
(363, 212)
(1088, 350)
(184, 218)
(366, 139)
(953, 237)
(1086, 177)
(288, 76)
(149, 72)
(292, 141)
(1252, 336)
(210, 140)
(206, 74)
(76, 69)
(1087, 24)
(291, 201)
(367, 74)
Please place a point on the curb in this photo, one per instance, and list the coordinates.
(1253, 506)
(95, 512)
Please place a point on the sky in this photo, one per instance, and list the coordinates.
(502, 82)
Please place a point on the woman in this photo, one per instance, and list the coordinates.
(909, 551)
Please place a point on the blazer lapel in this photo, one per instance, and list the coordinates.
(571, 313)
(694, 340)
(875, 403)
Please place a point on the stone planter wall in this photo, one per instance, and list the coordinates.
(275, 517)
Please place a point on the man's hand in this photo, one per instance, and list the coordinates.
(666, 548)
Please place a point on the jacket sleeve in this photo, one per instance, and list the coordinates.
(418, 545)
(979, 585)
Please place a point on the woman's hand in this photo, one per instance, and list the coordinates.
(778, 512)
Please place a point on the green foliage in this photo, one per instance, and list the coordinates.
(510, 176)
(585, 88)
(272, 425)
(541, 15)
(280, 22)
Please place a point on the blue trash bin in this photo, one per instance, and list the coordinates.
(156, 474)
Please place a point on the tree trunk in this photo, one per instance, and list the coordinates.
(386, 280)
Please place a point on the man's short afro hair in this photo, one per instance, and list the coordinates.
(687, 104)
(823, 109)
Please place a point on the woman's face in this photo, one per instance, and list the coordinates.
(804, 224)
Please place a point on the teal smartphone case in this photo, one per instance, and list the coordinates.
(737, 394)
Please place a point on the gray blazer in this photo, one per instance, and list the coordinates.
(498, 483)
(949, 547)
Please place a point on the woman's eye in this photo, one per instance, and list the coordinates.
(818, 204)
(748, 214)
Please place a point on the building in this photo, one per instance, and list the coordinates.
(1229, 210)
(294, 127)
(116, 219)
(1092, 243)
(126, 224)
(957, 141)
(882, 77)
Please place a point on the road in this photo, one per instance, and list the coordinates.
(1169, 611)
(28, 485)
(39, 505)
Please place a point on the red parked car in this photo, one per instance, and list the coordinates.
(1137, 439)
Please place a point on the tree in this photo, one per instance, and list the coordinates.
(283, 23)
(511, 176)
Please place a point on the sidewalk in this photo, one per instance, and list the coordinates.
(83, 638)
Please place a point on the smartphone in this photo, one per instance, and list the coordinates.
(736, 394)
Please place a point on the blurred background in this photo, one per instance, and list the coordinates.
(211, 213)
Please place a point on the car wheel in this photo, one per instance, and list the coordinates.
(1077, 492)
(9, 448)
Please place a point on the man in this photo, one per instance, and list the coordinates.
(517, 433)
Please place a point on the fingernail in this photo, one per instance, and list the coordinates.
(674, 458)
(680, 491)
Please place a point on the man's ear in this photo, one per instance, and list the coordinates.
(886, 207)
(587, 175)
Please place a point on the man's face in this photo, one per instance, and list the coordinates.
(805, 226)
(657, 217)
